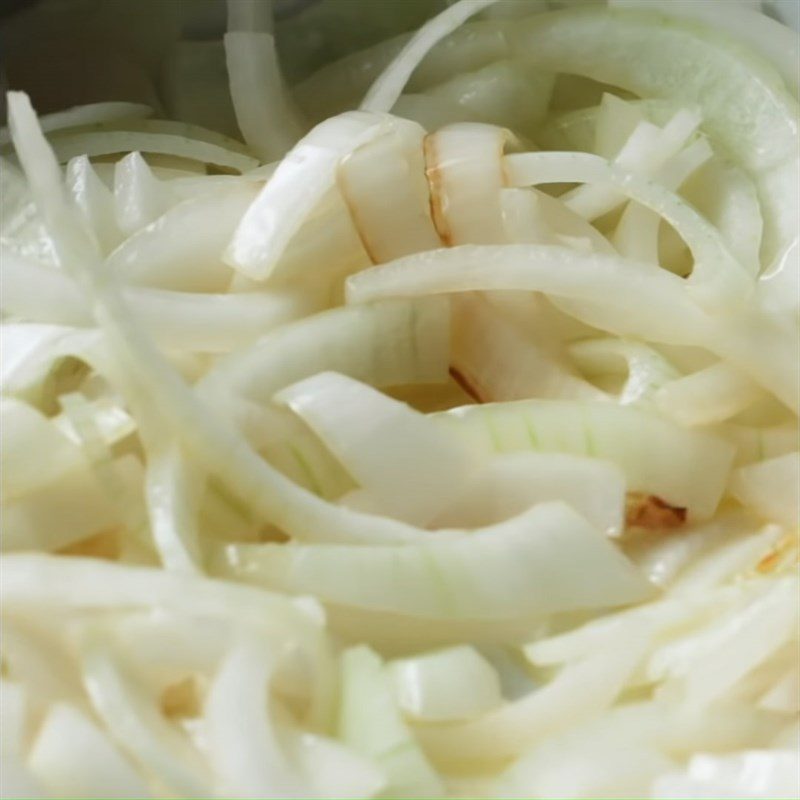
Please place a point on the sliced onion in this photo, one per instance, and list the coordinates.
(743, 21)
(136, 723)
(744, 107)
(711, 395)
(503, 93)
(108, 142)
(689, 472)
(173, 490)
(646, 152)
(178, 321)
(637, 233)
(512, 483)
(661, 311)
(411, 468)
(384, 186)
(268, 122)
(383, 93)
(302, 179)
(464, 165)
(370, 723)
(500, 359)
(533, 564)
(95, 201)
(245, 754)
(579, 692)
(533, 217)
(771, 487)
(90, 114)
(451, 684)
(72, 756)
(183, 249)
(717, 278)
(384, 344)
(647, 370)
(139, 197)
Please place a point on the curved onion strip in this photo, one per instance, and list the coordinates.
(176, 320)
(647, 370)
(245, 755)
(384, 186)
(342, 84)
(464, 166)
(299, 183)
(268, 122)
(183, 249)
(499, 360)
(743, 102)
(771, 40)
(173, 487)
(717, 278)
(691, 471)
(532, 564)
(771, 487)
(504, 93)
(662, 311)
(429, 466)
(533, 217)
(72, 755)
(646, 152)
(393, 343)
(108, 142)
(389, 85)
(370, 722)
(579, 692)
(90, 114)
(136, 723)
(636, 234)
(710, 395)
(513, 482)
(727, 198)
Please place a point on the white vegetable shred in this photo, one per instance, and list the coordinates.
(437, 439)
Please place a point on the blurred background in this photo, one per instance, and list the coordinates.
(169, 53)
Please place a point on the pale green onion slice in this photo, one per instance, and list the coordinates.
(450, 684)
(691, 469)
(743, 102)
(533, 564)
(375, 728)
(428, 468)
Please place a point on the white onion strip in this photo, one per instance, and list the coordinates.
(265, 115)
(464, 166)
(384, 186)
(299, 183)
(717, 277)
(91, 114)
(389, 85)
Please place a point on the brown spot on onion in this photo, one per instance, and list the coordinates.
(652, 512)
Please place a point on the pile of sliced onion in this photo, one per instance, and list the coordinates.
(448, 447)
